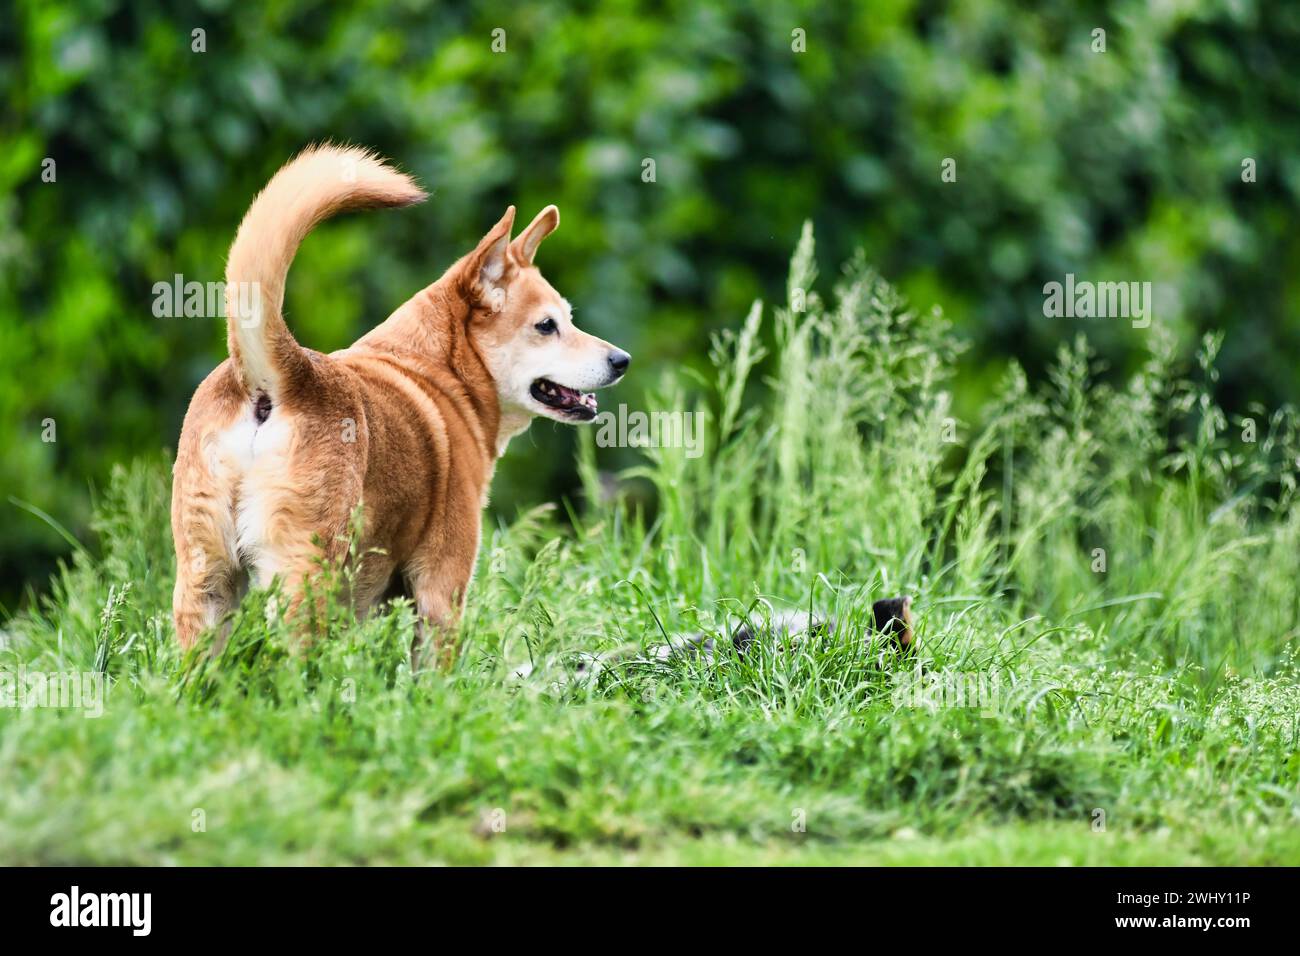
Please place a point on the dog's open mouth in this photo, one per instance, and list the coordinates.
(570, 401)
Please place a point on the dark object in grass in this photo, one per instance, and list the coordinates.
(892, 617)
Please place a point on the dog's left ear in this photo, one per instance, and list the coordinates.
(487, 268)
(525, 245)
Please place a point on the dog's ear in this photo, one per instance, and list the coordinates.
(487, 269)
(526, 243)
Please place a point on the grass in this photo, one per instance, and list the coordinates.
(1108, 572)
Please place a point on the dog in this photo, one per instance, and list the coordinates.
(281, 444)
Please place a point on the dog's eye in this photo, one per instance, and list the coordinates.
(546, 326)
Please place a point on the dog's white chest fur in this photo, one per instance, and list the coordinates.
(513, 422)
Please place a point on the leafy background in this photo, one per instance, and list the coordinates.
(1122, 165)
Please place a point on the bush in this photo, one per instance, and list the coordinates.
(1117, 165)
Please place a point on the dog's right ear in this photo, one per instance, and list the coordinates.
(525, 246)
(487, 269)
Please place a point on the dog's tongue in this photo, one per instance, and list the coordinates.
(571, 396)
(562, 397)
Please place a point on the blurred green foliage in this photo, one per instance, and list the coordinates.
(1116, 165)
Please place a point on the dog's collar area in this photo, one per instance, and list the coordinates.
(261, 407)
(576, 404)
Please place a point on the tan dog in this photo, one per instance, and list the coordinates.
(280, 443)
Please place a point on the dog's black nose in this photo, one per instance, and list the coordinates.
(619, 360)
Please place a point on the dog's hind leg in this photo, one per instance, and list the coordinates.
(439, 588)
(207, 589)
(306, 575)
(436, 637)
(208, 579)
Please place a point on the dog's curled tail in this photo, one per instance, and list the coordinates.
(314, 185)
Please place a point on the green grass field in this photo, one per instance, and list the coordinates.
(1107, 572)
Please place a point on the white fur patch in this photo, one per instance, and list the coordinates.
(257, 459)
